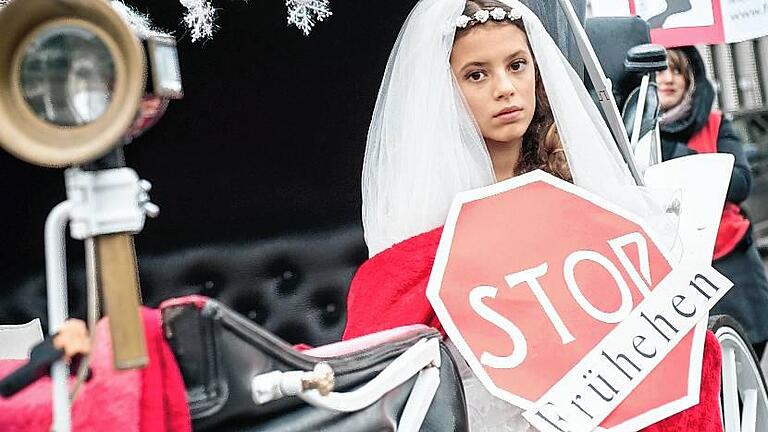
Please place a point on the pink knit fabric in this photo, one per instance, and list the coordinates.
(147, 400)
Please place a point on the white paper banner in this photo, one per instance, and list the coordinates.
(744, 19)
(607, 375)
(702, 183)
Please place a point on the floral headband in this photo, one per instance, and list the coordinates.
(481, 16)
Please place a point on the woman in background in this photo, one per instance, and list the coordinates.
(689, 126)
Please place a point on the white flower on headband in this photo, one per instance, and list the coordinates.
(461, 22)
(515, 15)
(498, 14)
(481, 16)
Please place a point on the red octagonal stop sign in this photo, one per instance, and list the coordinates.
(532, 273)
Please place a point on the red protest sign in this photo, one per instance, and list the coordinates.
(690, 22)
(532, 273)
(681, 22)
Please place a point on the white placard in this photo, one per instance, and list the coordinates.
(744, 19)
(702, 183)
(16, 341)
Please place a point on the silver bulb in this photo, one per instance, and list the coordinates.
(67, 76)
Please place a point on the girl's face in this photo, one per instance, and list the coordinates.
(496, 74)
(672, 87)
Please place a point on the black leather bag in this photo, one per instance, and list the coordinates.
(220, 352)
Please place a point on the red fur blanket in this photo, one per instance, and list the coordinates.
(152, 399)
(389, 290)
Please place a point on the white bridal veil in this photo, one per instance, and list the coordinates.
(424, 146)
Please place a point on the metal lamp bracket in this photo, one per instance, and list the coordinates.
(107, 202)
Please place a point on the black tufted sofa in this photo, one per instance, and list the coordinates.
(294, 286)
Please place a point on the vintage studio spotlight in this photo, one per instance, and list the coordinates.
(76, 84)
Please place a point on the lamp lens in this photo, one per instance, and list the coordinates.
(67, 76)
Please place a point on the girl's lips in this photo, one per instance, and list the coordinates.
(509, 115)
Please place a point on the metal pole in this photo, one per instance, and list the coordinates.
(56, 283)
(603, 89)
(726, 74)
(747, 74)
(762, 54)
(641, 96)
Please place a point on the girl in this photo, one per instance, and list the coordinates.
(474, 92)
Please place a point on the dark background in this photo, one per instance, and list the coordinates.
(268, 139)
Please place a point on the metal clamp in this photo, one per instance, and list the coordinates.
(107, 202)
(321, 379)
(277, 385)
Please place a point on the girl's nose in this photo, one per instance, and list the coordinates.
(505, 87)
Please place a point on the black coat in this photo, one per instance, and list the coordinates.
(675, 136)
(748, 299)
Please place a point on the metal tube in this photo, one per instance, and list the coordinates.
(762, 55)
(731, 420)
(91, 284)
(728, 88)
(641, 96)
(747, 77)
(749, 412)
(93, 312)
(709, 66)
(657, 155)
(56, 284)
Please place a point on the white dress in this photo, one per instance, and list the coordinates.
(486, 412)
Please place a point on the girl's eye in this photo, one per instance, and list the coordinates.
(475, 76)
(518, 65)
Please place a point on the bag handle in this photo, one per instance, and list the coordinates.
(423, 358)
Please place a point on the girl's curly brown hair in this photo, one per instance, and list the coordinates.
(542, 148)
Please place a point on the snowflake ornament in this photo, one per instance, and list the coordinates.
(199, 18)
(304, 14)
